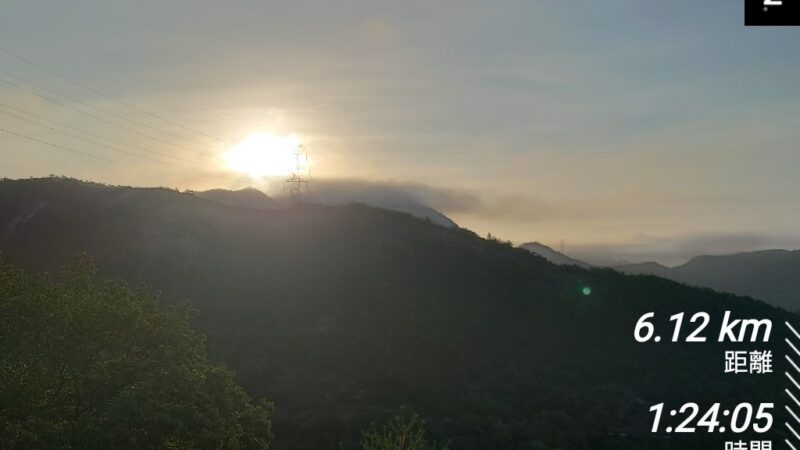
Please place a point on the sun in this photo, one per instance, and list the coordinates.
(263, 155)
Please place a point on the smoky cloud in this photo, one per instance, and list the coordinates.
(329, 191)
(509, 208)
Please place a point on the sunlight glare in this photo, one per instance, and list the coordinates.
(263, 155)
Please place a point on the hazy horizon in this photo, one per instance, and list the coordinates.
(628, 130)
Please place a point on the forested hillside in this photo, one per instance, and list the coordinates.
(343, 315)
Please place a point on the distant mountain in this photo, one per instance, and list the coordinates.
(769, 275)
(552, 255)
(344, 315)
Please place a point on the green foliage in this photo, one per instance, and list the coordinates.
(89, 363)
(404, 432)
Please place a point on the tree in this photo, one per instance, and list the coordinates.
(87, 362)
(404, 432)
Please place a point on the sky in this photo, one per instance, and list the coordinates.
(629, 130)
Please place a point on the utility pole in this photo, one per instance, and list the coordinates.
(296, 182)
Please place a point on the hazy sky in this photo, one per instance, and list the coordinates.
(642, 129)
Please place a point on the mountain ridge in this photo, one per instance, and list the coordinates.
(251, 197)
(342, 315)
(553, 256)
(772, 275)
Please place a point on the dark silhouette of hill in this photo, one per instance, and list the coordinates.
(418, 210)
(645, 268)
(247, 197)
(341, 315)
(770, 275)
(253, 198)
(552, 255)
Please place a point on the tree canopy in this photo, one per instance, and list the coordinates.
(89, 362)
(404, 432)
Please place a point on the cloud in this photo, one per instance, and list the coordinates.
(666, 249)
(463, 202)
(351, 190)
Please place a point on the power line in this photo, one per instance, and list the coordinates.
(98, 118)
(40, 141)
(80, 130)
(63, 147)
(103, 94)
(89, 140)
(106, 146)
(90, 106)
(102, 119)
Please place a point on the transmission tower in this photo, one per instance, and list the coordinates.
(297, 182)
